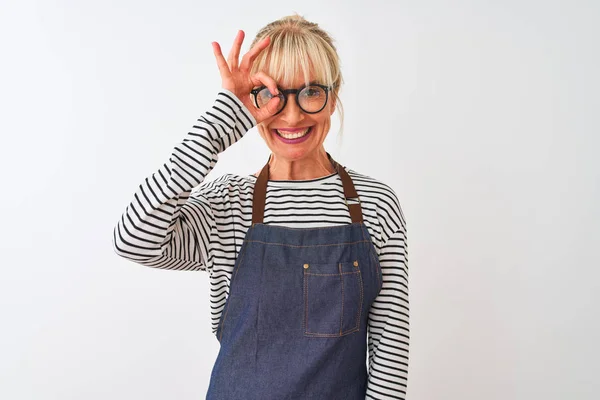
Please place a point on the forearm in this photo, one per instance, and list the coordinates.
(151, 230)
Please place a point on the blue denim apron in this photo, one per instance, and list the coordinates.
(294, 325)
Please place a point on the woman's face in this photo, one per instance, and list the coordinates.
(293, 119)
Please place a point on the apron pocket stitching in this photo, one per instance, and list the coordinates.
(340, 297)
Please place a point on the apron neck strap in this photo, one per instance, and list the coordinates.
(260, 193)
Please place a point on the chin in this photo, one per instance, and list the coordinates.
(290, 154)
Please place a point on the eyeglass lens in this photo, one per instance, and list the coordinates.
(310, 99)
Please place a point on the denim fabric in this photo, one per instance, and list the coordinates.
(294, 324)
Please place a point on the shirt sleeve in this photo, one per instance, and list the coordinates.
(388, 326)
(162, 227)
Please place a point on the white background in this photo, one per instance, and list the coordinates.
(482, 115)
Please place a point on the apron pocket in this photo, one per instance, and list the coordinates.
(333, 299)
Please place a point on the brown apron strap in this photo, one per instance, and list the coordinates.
(260, 193)
(349, 192)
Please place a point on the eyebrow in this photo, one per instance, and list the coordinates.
(313, 82)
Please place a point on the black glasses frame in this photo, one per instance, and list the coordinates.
(283, 95)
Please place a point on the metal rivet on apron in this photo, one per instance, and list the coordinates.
(356, 263)
(305, 266)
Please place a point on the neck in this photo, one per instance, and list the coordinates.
(312, 166)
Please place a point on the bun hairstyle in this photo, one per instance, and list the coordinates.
(299, 47)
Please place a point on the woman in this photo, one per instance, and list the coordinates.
(304, 257)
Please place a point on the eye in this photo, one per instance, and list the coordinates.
(265, 92)
(263, 96)
(312, 91)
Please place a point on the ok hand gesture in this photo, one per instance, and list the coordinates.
(235, 76)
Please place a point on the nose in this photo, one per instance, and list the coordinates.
(292, 114)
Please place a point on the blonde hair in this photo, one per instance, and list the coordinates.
(300, 46)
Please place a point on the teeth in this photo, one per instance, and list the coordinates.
(295, 135)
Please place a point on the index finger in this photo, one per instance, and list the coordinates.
(250, 56)
(221, 63)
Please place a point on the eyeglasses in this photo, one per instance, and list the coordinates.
(310, 98)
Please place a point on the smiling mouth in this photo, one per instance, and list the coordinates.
(293, 135)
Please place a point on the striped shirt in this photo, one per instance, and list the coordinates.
(176, 221)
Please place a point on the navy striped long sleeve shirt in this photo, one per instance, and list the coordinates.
(177, 221)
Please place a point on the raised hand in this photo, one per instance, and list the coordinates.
(235, 76)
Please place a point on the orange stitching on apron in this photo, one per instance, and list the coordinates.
(359, 313)
(342, 313)
(313, 245)
(343, 273)
(227, 302)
